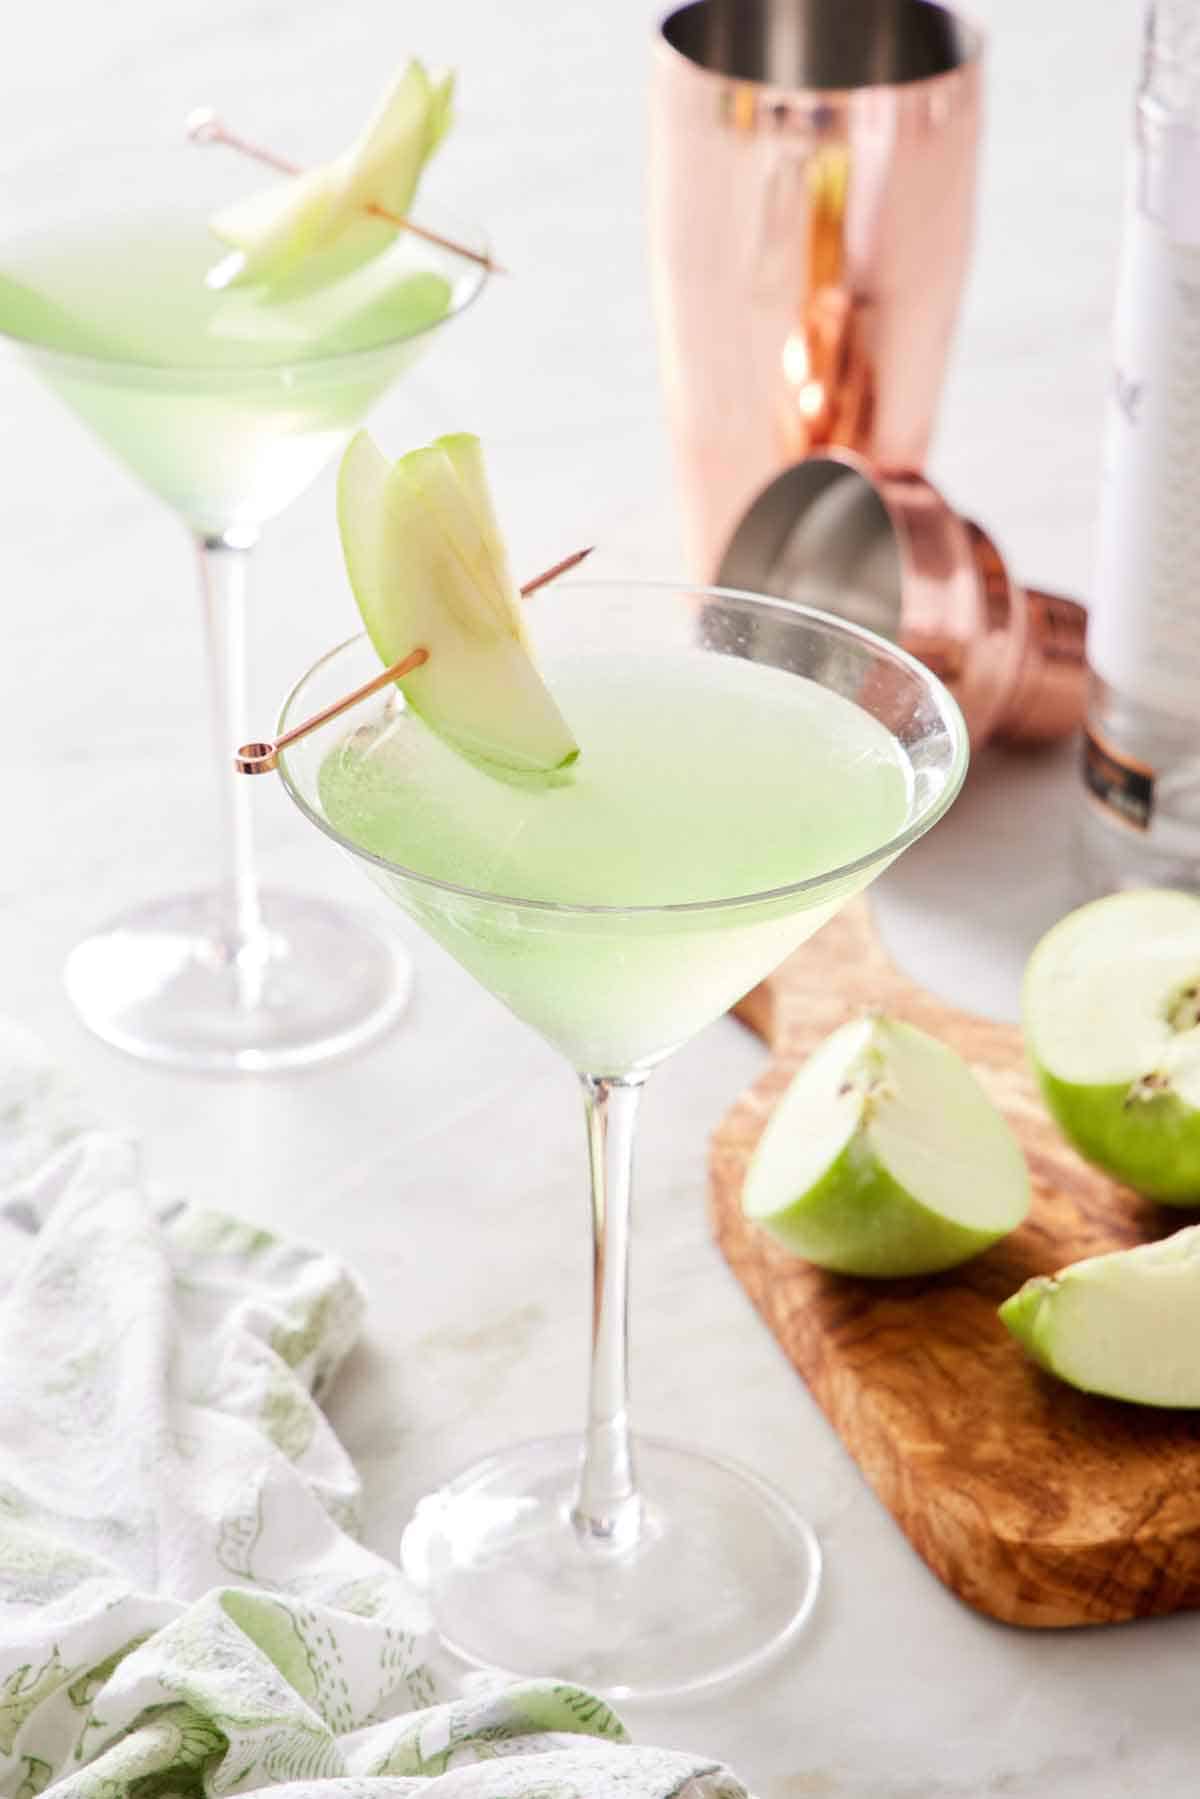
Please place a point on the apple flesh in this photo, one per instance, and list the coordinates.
(1126, 1325)
(886, 1157)
(325, 209)
(1111, 1005)
(429, 569)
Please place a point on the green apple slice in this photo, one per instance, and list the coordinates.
(1111, 1006)
(1126, 1325)
(276, 232)
(428, 568)
(886, 1157)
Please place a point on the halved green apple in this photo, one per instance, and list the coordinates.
(1126, 1324)
(277, 231)
(1111, 1006)
(429, 570)
(886, 1157)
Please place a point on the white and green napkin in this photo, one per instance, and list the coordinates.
(184, 1607)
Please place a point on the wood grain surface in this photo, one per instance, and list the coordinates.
(1034, 1503)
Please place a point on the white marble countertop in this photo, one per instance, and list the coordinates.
(895, 1690)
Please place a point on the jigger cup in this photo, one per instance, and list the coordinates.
(890, 553)
(812, 179)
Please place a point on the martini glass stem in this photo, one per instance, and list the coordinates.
(607, 1507)
(224, 566)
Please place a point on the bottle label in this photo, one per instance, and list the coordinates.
(1144, 629)
(1124, 787)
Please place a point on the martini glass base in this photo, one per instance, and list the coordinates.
(722, 1577)
(159, 983)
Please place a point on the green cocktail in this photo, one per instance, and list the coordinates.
(691, 766)
(745, 767)
(212, 426)
(226, 403)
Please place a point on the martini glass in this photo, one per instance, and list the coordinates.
(646, 1569)
(226, 409)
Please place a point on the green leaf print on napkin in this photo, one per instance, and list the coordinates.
(184, 1612)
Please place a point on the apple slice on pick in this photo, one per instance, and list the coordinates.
(886, 1157)
(1126, 1325)
(429, 569)
(1111, 1006)
(277, 231)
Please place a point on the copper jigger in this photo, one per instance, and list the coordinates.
(812, 177)
(891, 553)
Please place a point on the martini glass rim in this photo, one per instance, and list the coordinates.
(234, 374)
(825, 622)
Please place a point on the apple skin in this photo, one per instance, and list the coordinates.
(857, 1219)
(1151, 1144)
(1025, 1314)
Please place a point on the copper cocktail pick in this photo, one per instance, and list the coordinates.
(262, 758)
(204, 127)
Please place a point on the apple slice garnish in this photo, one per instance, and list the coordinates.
(428, 567)
(330, 207)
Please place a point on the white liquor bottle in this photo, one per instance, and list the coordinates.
(1141, 764)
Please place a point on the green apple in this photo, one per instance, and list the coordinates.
(276, 232)
(429, 570)
(1112, 1025)
(886, 1157)
(1126, 1324)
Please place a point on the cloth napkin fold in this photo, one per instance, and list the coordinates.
(184, 1607)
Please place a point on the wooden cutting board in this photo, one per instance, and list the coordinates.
(1035, 1504)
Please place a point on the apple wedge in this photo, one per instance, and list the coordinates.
(1111, 1004)
(429, 569)
(1126, 1325)
(276, 232)
(885, 1157)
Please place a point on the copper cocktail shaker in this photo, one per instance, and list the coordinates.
(812, 178)
(812, 185)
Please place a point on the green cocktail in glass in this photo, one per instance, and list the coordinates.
(746, 767)
(226, 404)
